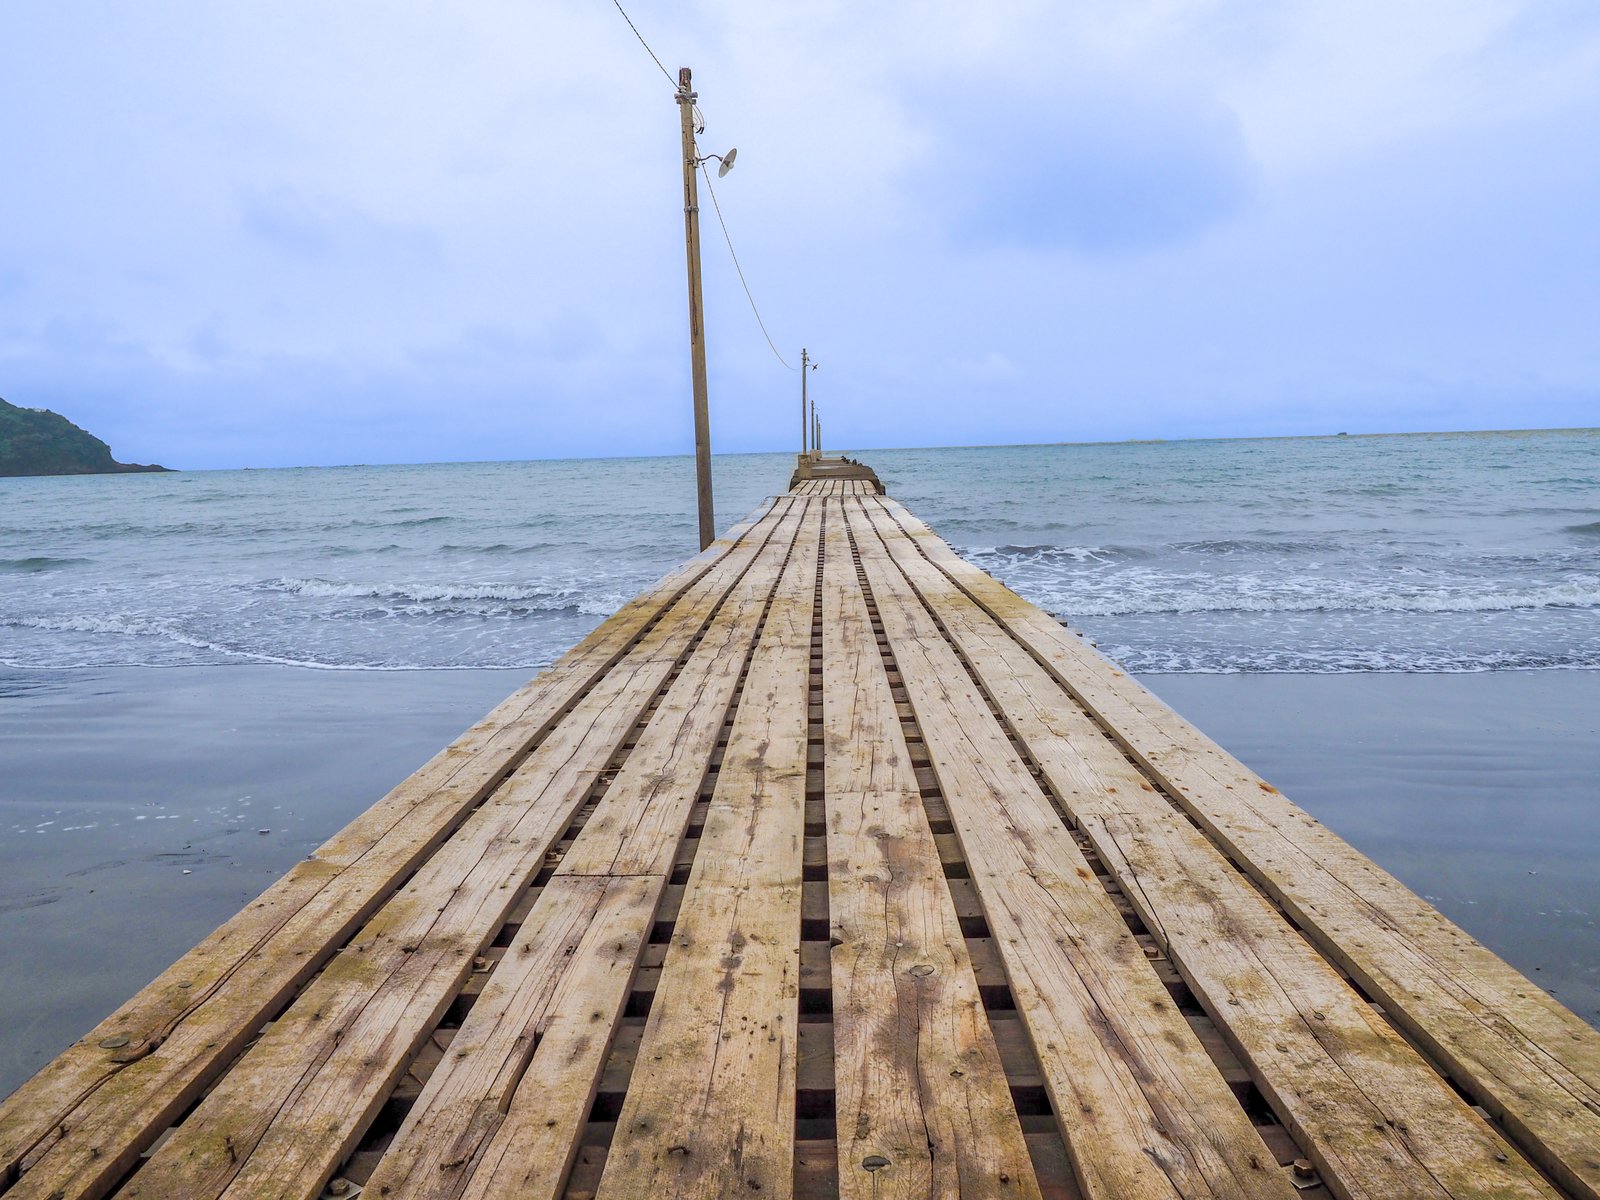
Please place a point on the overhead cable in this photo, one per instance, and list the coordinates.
(732, 253)
(644, 43)
(699, 126)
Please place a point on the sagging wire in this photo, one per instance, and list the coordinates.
(733, 254)
(644, 43)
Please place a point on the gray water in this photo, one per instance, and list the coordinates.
(1440, 552)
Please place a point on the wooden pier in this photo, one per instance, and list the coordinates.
(828, 867)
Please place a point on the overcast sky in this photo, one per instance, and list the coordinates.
(299, 232)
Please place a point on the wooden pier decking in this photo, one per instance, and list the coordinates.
(828, 867)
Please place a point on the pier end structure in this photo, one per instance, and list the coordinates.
(814, 473)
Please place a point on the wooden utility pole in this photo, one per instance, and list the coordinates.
(811, 421)
(697, 336)
(805, 420)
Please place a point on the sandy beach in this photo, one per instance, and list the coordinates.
(135, 799)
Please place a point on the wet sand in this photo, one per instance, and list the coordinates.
(133, 803)
(1480, 791)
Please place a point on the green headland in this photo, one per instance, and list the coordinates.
(35, 441)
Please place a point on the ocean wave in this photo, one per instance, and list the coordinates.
(1220, 547)
(1231, 546)
(449, 595)
(1592, 528)
(128, 625)
(32, 566)
(502, 548)
(1126, 596)
(133, 629)
(1053, 554)
(1340, 660)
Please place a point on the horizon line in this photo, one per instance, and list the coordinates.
(1144, 441)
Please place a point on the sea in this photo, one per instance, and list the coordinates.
(1417, 553)
(204, 674)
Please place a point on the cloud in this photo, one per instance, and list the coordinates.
(1100, 165)
(321, 228)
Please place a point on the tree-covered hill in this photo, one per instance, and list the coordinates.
(35, 441)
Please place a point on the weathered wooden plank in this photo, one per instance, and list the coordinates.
(1518, 1052)
(1335, 1070)
(1143, 1111)
(109, 1096)
(923, 1107)
(293, 1107)
(473, 1131)
(710, 1107)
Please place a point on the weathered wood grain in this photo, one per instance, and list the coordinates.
(295, 1104)
(501, 1116)
(710, 1108)
(923, 1107)
(1336, 1072)
(1143, 1110)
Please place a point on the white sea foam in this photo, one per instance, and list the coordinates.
(590, 603)
(1387, 555)
(1258, 594)
(123, 625)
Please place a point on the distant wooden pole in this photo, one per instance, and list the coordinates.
(815, 447)
(697, 338)
(805, 438)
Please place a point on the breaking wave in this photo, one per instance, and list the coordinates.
(456, 596)
(1258, 595)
